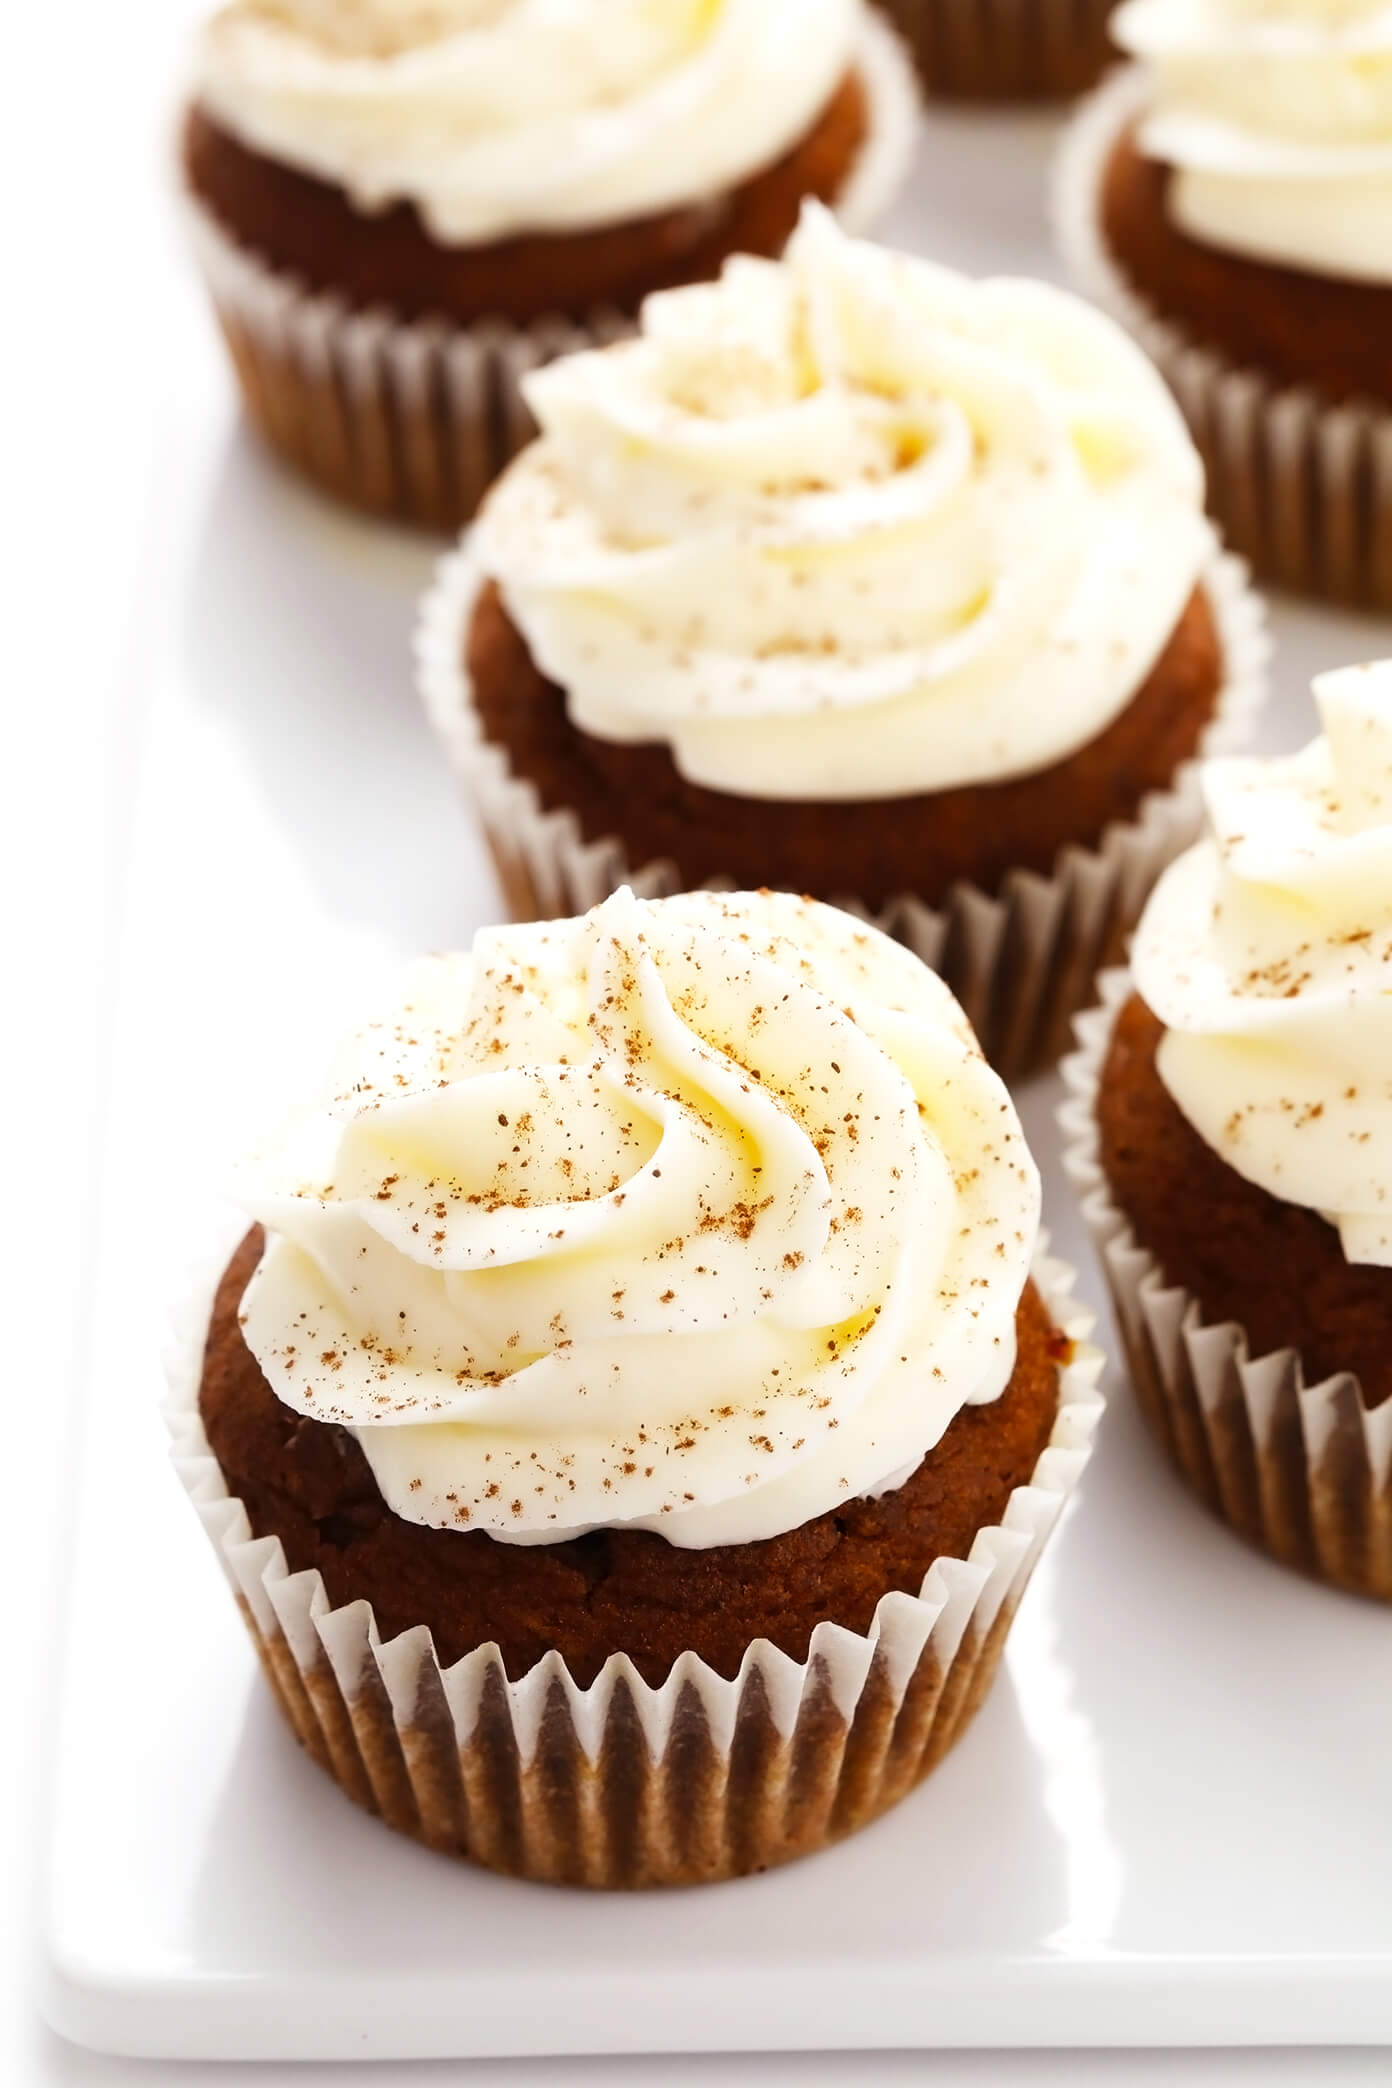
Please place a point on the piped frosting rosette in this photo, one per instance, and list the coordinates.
(850, 525)
(840, 528)
(697, 1216)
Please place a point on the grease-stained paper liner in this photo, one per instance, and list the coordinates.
(1005, 50)
(1303, 1471)
(417, 419)
(621, 1783)
(1302, 488)
(1021, 962)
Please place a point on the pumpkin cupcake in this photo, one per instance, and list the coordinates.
(399, 210)
(631, 1425)
(1005, 50)
(858, 578)
(1230, 198)
(1231, 1134)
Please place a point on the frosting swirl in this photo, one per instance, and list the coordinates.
(1267, 953)
(696, 1215)
(849, 525)
(497, 117)
(1276, 116)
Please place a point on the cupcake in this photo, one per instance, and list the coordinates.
(1230, 198)
(398, 210)
(1005, 50)
(1231, 1138)
(610, 1505)
(857, 578)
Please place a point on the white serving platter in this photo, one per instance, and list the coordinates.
(1168, 1824)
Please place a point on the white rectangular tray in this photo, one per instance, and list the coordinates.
(1168, 1824)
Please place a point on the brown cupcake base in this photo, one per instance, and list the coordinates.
(1021, 960)
(308, 1484)
(871, 850)
(1258, 1354)
(1005, 50)
(618, 1812)
(308, 228)
(622, 1784)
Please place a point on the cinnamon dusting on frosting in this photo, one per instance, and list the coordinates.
(841, 1254)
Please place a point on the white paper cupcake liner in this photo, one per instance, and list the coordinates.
(417, 419)
(1302, 488)
(1021, 962)
(1303, 1471)
(1005, 50)
(622, 1783)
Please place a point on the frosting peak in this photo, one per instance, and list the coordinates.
(498, 117)
(1267, 953)
(696, 1215)
(1276, 116)
(850, 525)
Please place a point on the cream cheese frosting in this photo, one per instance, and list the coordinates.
(1276, 116)
(697, 1215)
(1267, 953)
(850, 525)
(499, 117)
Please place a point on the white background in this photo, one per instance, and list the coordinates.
(109, 377)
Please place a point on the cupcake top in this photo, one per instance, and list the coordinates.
(1277, 118)
(496, 117)
(1267, 953)
(698, 1215)
(849, 525)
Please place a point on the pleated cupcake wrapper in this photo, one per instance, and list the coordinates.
(621, 1783)
(1005, 50)
(1302, 488)
(1021, 962)
(1304, 1471)
(417, 419)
